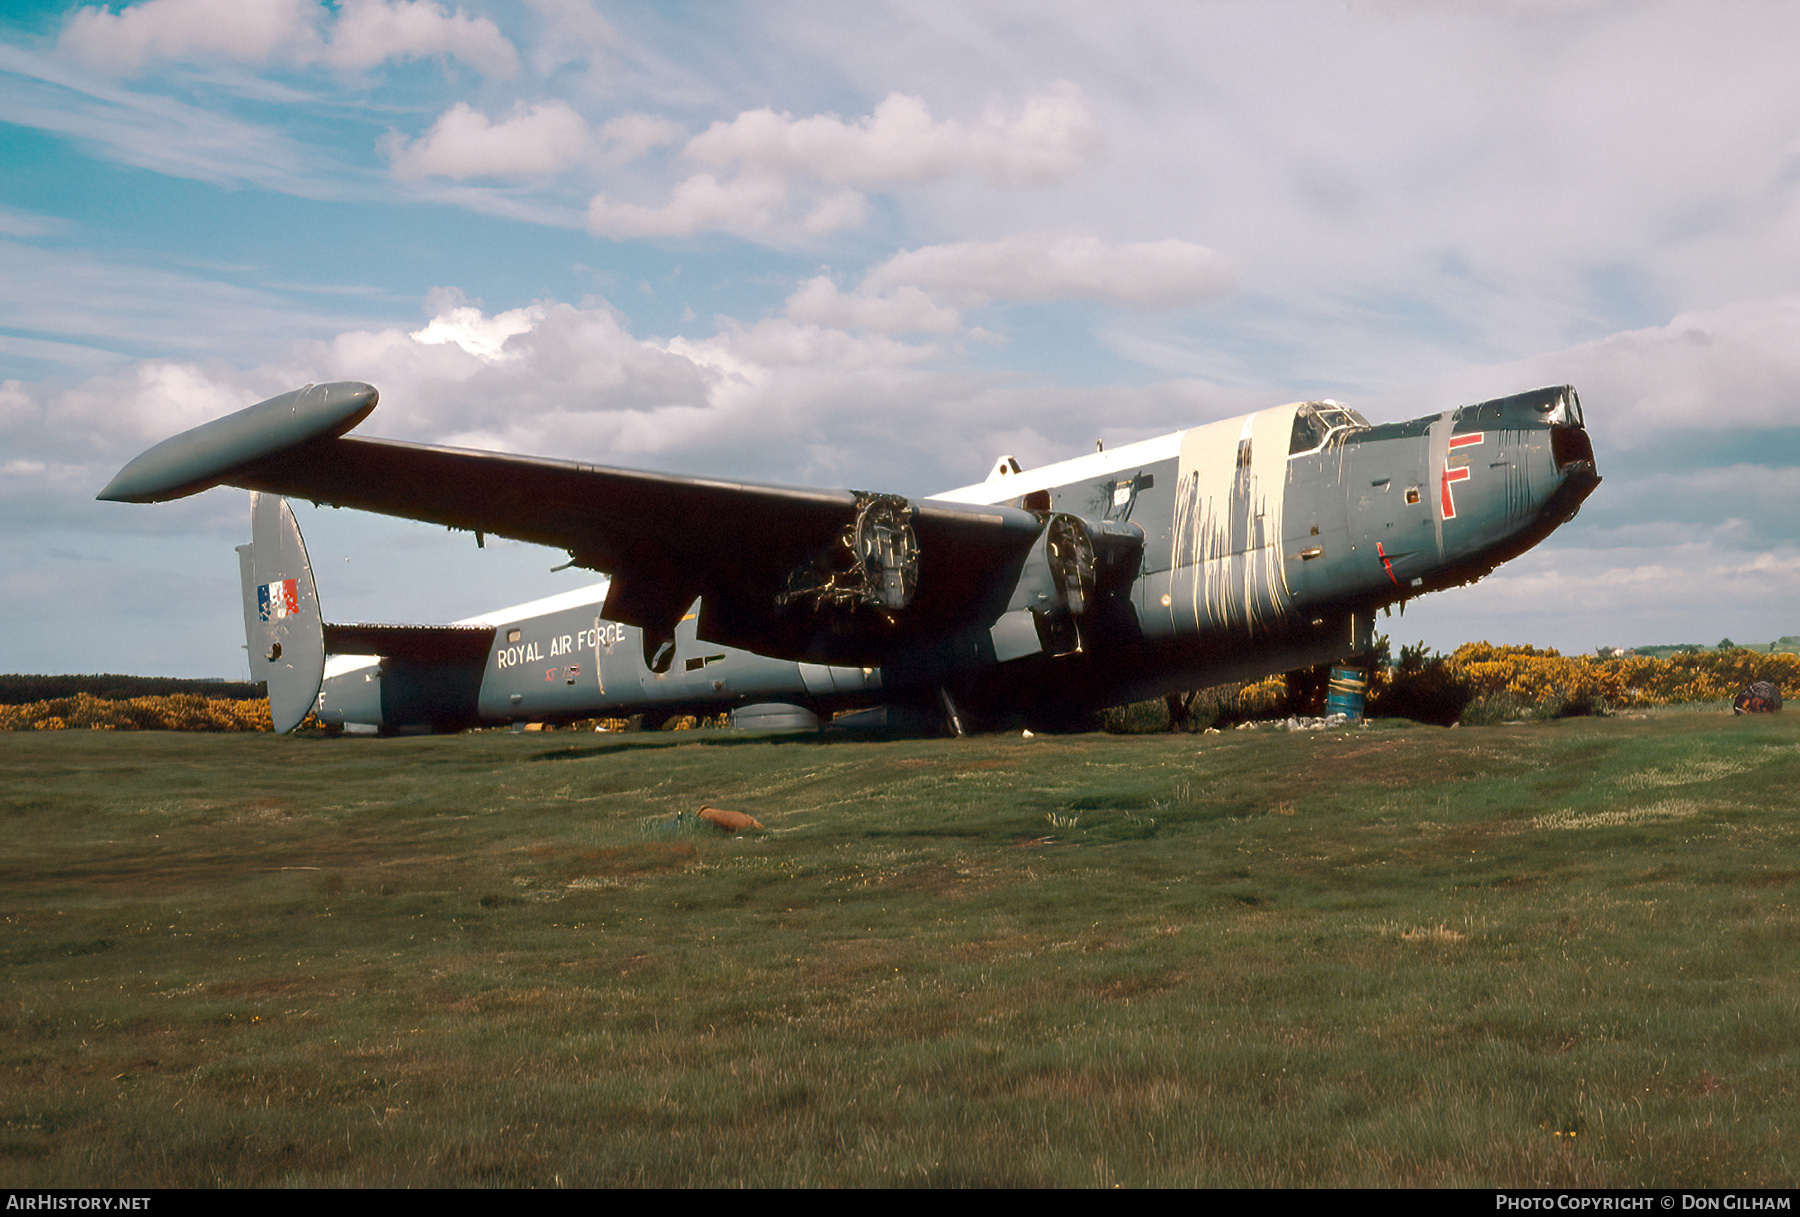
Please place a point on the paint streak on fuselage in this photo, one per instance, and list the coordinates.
(1229, 495)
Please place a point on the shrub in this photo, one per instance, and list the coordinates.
(176, 712)
(1501, 683)
(1425, 688)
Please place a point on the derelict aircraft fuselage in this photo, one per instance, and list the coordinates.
(1240, 548)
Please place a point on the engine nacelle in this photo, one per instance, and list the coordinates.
(1067, 570)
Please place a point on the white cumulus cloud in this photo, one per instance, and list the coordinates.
(465, 143)
(1052, 135)
(743, 205)
(1733, 366)
(481, 336)
(771, 173)
(626, 137)
(250, 31)
(905, 310)
(1620, 595)
(1058, 266)
(834, 213)
(359, 34)
(369, 32)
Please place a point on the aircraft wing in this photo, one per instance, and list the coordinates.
(423, 643)
(830, 576)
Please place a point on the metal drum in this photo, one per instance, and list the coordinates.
(1349, 688)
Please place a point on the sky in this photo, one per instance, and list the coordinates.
(878, 245)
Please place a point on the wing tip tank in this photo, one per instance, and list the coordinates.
(200, 458)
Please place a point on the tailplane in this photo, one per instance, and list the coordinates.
(282, 624)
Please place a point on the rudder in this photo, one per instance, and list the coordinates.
(283, 627)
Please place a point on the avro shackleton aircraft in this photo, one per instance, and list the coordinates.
(1254, 545)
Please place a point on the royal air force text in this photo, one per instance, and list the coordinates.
(605, 637)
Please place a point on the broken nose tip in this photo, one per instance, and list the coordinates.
(1572, 449)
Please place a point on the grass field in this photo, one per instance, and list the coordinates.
(1562, 954)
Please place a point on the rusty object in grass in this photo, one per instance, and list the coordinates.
(1761, 697)
(726, 821)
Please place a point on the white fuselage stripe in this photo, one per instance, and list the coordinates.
(1092, 467)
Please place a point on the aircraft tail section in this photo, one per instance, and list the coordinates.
(282, 624)
(551, 660)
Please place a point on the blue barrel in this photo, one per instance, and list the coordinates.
(1349, 689)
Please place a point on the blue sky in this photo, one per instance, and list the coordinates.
(879, 245)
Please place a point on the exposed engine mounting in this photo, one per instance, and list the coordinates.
(1071, 554)
(874, 562)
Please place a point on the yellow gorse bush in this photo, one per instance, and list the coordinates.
(1541, 676)
(174, 712)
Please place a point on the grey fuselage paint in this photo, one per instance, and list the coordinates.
(558, 661)
(1263, 553)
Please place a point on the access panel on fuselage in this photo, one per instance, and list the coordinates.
(1315, 535)
(1392, 502)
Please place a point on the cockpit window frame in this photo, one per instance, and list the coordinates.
(1334, 418)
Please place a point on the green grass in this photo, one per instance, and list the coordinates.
(1562, 954)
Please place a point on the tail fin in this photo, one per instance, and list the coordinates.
(282, 624)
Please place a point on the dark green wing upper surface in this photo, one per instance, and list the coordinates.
(785, 571)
